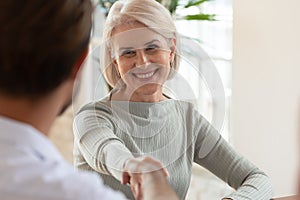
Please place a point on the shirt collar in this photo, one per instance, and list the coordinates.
(21, 134)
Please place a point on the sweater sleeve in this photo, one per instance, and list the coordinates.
(216, 155)
(101, 148)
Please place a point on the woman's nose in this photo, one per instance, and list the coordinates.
(142, 58)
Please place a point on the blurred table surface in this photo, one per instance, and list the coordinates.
(288, 198)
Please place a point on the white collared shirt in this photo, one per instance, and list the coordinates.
(32, 169)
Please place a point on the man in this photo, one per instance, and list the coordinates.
(42, 46)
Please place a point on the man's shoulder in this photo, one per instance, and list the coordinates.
(51, 180)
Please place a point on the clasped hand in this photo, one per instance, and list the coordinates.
(147, 178)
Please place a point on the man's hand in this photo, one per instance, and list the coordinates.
(147, 178)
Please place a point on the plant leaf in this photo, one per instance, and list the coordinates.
(208, 17)
(173, 6)
(195, 3)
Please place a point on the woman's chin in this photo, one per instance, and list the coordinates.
(148, 89)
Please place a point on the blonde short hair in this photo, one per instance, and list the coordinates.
(148, 12)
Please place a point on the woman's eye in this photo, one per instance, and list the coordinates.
(128, 53)
(151, 48)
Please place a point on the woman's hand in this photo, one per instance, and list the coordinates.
(147, 178)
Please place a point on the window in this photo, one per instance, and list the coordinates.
(215, 39)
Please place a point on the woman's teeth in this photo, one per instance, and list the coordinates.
(143, 76)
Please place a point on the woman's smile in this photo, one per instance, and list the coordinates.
(145, 76)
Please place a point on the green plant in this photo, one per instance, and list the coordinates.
(173, 6)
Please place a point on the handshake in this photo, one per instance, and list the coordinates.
(147, 178)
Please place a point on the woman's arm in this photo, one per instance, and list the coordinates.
(106, 153)
(100, 147)
(216, 155)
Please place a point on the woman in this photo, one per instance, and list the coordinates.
(138, 119)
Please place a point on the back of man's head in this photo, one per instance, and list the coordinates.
(40, 42)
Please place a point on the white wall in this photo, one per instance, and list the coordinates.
(266, 87)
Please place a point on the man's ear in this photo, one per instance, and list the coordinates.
(80, 60)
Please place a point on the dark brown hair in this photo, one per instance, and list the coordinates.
(40, 41)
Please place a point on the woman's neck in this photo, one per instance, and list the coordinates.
(125, 94)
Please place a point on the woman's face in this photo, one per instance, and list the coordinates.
(142, 57)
